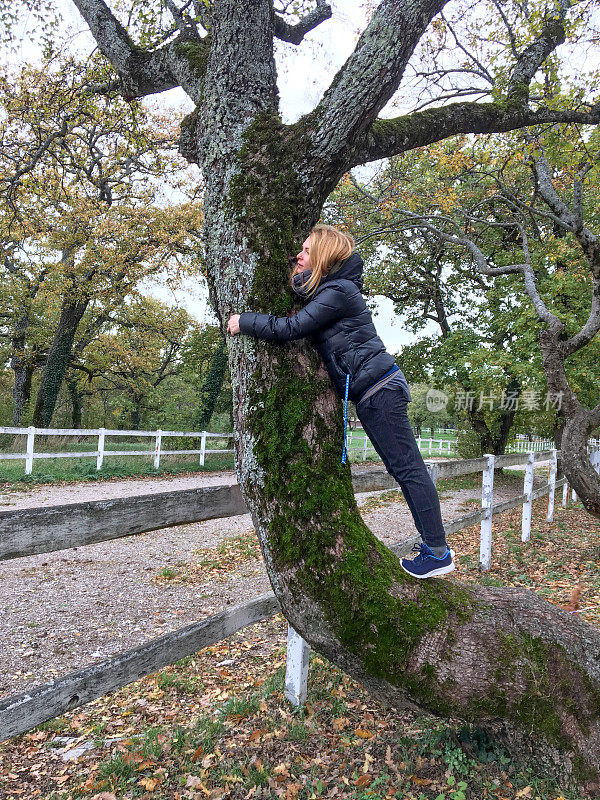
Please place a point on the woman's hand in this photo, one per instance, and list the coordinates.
(233, 326)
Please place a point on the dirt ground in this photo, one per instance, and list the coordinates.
(62, 611)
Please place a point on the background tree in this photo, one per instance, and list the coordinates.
(510, 218)
(438, 645)
(84, 215)
(487, 350)
(141, 350)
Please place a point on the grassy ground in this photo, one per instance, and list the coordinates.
(216, 725)
(84, 469)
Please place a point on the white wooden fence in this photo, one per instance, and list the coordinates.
(40, 530)
(357, 441)
(101, 433)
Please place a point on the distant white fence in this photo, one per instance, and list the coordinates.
(535, 446)
(29, 455)
(356, 440)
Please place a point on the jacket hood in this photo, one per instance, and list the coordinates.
(350, 269)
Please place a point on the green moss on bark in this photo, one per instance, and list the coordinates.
(266, 194)
(196, 54)
(316, 530)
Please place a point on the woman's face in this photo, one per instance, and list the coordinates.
(303, 257)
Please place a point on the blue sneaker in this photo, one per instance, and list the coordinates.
(426, 565)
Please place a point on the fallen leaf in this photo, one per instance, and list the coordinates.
(526, 792)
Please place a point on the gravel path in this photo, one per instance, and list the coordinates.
(61, 611)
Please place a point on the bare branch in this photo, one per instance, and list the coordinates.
(507, 25)
(296, 33)
(481, 69)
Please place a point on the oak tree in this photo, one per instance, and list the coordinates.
(506, 659)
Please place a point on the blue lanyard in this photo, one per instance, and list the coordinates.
(345, 418)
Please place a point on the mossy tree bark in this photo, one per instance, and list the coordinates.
(57, 360)
(504, 659)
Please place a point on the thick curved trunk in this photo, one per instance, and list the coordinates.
(506, 660)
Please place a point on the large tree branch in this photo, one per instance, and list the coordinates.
(181, 62)
(295, 33)
(370, 76)
(388, 137)
(571, 221)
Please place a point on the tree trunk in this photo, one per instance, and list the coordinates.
(76, 402)
(211, 388)
(58, 360)
(577, 424)
(136, 413)
(23, 369)
(21, 389)
(505, 659)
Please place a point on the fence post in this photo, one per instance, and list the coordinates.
(527, 491)
(296, 671)
(365, 447)
(430, 444)
(487, 501)
(29, 450)
(573, 495)
(100, 457)
(432, 470)
(202, 448)
(157, 447)
(565, 493)
(552, 486)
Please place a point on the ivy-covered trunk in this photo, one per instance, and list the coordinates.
(211, 388)
(57, 360)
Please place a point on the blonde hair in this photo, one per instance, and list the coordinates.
(326, 247)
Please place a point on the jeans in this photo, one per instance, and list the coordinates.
(385, 421)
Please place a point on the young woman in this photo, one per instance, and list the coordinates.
(339, 325)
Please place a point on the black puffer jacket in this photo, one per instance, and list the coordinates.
(339, 325)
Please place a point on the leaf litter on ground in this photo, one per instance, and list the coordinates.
(216, 724)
